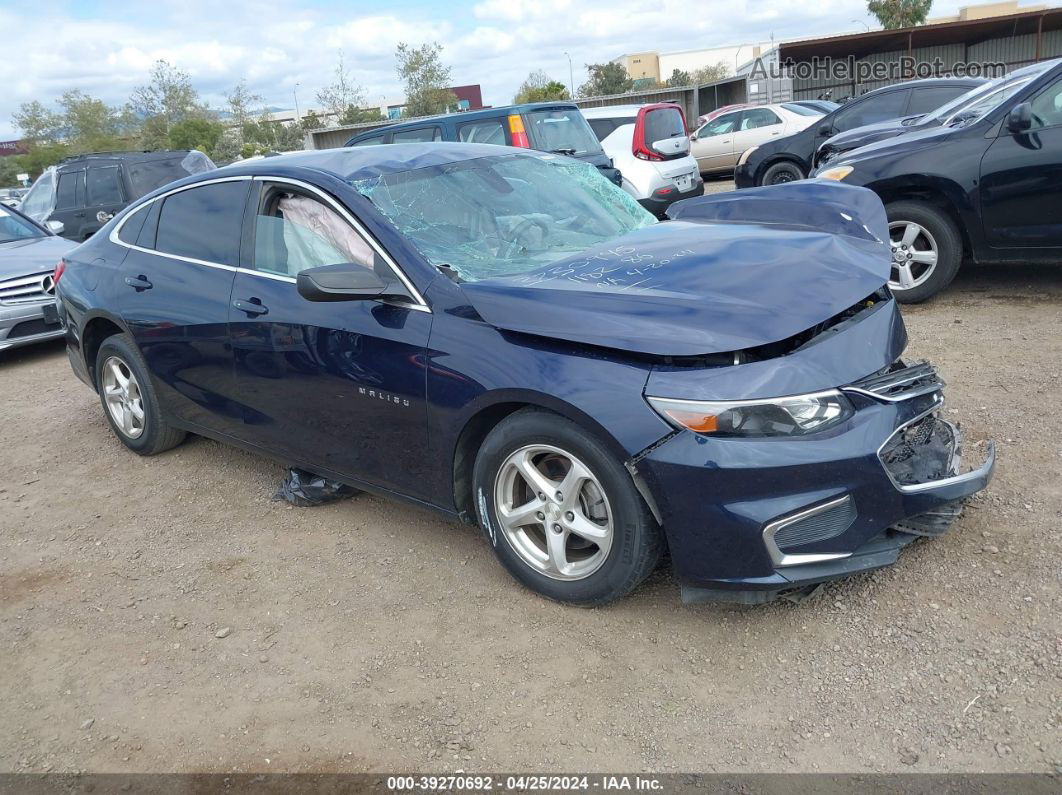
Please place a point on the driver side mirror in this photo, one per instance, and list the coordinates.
(347, 281)
(56, 227)
(1020, 118)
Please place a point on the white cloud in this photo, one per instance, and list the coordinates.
(275, 44)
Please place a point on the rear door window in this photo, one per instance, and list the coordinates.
(203, 223)
(663, 123)
(103, 186)
(66, 193)
(420, 135)
(487, 131)
(373, 141)
(869, 110)
(563, 130)
(924, 100)
(758, 117)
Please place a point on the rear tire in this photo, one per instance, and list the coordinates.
(586, 547)
(927, 250)
(129, 400)
(781, 173)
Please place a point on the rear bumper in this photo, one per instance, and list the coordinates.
(658, 205)
(26, 324)
(724, 503)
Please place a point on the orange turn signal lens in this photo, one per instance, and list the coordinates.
(695, 420)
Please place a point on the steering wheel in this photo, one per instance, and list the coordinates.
(513, 241)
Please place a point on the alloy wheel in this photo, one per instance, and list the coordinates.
(553, 512)
(914, 254)
(125, 403)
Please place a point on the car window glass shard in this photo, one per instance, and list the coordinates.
(505, 215)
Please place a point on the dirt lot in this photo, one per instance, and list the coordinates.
(370, 636)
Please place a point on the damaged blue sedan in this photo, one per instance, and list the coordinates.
(505, 336)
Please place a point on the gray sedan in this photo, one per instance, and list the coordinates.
(28, 256)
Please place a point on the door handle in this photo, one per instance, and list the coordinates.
(252, 306)
(138, 282)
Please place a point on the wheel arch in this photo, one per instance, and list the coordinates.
(94, 330)
(939, 194)
(487, 414)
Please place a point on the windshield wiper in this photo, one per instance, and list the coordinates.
(568, 152)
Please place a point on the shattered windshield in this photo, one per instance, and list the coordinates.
(504, 215)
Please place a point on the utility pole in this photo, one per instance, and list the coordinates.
(295, 93)
(571, 76)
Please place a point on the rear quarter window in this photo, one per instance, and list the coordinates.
(147, 175)
(561, 130)
(488, 131)
(924, 100)
(375, 140)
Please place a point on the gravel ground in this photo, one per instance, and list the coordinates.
(164, 614)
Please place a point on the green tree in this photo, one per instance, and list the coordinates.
(311, 121)
(353, 115)
(239, 102)
(894, 14)
(37, 123)
(167, 98)
(605, 79)
(89, 124)
(198, 134)
(426, 78)
(540, 87)
(678, 79)
(341, 95)
(709, 74)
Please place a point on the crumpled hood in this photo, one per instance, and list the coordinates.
(36, 255)
(733, 271)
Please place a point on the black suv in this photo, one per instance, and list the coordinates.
(793, 157)
(81, 193)
(988, 186)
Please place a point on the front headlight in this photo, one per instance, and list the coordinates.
(785, 416)
(837, 173)
(745, 155)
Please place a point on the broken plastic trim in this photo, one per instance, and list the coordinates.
(305, 489)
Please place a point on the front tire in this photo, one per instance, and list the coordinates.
(781, 173)
(562, 515)
(926, 250)
(129, 400)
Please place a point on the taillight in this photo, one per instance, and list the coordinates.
(517, 131)
(639, 147)
(60, 269)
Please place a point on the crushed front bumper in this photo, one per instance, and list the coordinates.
(749, 519)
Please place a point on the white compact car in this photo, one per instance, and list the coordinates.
(650, 146)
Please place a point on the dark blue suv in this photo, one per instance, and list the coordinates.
(556, 127)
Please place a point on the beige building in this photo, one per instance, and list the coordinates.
(658, 66)
(986, 11)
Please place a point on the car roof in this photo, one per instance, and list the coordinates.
(467, 115)
(606, 111)
(363, 162)
(165, 154)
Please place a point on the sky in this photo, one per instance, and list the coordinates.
(289, 48)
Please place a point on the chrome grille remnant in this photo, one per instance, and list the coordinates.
(899, 383)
